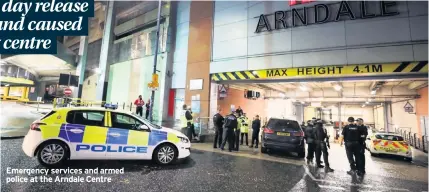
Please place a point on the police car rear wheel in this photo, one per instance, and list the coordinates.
(52, 154)
(165, 154)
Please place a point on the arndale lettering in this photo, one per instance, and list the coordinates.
(322, 14)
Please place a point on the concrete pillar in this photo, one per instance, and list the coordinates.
(199, 53)
(107, 40)
(81, 66)
(41, 88)
(387, 116)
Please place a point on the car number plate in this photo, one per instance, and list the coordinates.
(283, 134)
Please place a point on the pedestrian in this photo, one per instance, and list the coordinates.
(363, 130)
(218, 123)
(322, 145)
(139, 104)
(239, 111)
(236, 140)
(230, 124)
(244, 129)
(191, 130)
(351, 137)
(256, 125)
(147, 109)
(184, 122)
(309, 138)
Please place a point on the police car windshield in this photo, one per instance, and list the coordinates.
(148, 122)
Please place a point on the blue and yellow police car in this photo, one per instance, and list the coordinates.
(101, 133)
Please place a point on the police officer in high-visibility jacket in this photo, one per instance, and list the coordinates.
(244, 129)
(186, 120)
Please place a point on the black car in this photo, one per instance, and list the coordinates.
(283, 135)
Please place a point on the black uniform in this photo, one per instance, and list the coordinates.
(236, 138)
(256, 125)
(309, 138)
(218, 123)
(352, 141)
(230, 123)
(322, 143)
(364, 133)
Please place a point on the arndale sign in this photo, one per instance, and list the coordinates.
(323, 13)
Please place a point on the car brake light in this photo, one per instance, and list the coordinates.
(268, 130)
(298, 134)
(35, 126)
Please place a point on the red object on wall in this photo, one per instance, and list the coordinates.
(171, 102)
(298, 2)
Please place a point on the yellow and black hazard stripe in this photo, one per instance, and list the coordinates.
(239, 75)
(330, 70)
(405, 67)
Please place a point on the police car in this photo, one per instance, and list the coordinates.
(388, 143)
(98, 133)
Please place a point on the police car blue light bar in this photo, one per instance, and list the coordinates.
(110, 106)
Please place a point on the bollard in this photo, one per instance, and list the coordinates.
(38, 106)
(123, 106)
(423, 144)
(131, 105)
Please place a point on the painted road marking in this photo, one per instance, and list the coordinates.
(331, 187)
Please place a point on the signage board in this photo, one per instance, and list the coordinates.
(408, 107)
(323, 13)
(325, 71)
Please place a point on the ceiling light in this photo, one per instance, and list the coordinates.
(367, 102)
(373, 92)
(7, 85)
(363, 105)
(302, 102)
(337, 87)
(303, 88)
(282, 95)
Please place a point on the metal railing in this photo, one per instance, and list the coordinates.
(204, 126)
(414, 140)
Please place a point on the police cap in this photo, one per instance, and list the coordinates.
(351, 119)
(359, 119)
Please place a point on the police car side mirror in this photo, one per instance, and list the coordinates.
(144, 127)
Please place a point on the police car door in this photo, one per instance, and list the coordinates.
(86, 132)
(126, 139)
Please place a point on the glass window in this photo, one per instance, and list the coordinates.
(125, 121)
(91, 118)
(278, 124)
(390, 137)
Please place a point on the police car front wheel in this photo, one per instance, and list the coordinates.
(52, 154)
(165, 154)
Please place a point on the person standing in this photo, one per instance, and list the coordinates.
(184, 122)
(351, 137)
(139, 104)
(363, 130)
(147, 109)
(191, 130)
(244, 129)
(218, 123)
(236, 139)
(322, 145)
(230, 124)
(309, 138)
(256, 125)
(239, 111)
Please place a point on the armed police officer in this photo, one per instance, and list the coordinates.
(309, 138)
(229, 126)
(237, 129)
(322, 145)
(218, 123)
(244, 129)
(256, 125)
(363, 130)
(352, 140)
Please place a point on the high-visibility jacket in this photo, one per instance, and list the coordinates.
(183, 120)
(244, 124)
